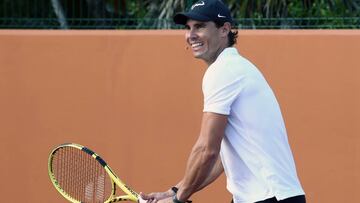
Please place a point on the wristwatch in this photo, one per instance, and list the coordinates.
(174, 189)
(175, 199)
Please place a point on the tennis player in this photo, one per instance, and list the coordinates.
(242, 130)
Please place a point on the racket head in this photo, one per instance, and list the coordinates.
(79, 174)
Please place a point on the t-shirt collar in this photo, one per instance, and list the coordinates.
(226, 52)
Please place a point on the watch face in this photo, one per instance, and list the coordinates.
(175, 200)
(174, 189)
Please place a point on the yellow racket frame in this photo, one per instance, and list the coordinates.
(131, 195)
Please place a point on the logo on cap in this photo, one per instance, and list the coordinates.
(220, 16)
(202, 3)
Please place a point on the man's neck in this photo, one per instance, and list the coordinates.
(213, 59)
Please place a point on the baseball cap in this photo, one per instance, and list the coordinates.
(205, 10)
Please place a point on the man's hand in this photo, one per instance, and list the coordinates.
(158, 197)
(167, 200)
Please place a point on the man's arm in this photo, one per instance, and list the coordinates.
(216, 171)
(214, 174)
(204, 156)
(211, 134)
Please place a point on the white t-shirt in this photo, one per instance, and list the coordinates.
(255, 152)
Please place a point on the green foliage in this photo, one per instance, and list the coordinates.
(157, 14)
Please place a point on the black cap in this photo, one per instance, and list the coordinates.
(205, 10)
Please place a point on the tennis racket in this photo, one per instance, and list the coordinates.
(82, 176)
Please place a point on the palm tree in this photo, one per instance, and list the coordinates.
(162, 12)
(248, 13)
(59, 12)
(280, 13)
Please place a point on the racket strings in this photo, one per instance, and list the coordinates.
(81, 176)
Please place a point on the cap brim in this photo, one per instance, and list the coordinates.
(182, 18)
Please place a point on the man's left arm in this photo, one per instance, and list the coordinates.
(204, 154)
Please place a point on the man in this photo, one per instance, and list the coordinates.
(242, 130)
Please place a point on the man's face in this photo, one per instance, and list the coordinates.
(204, 39)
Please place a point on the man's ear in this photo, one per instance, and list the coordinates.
(225, 29)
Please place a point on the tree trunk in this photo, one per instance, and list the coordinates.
(59, 13)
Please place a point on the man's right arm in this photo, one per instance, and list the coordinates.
(216, 171)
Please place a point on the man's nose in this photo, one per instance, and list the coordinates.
(191, 34)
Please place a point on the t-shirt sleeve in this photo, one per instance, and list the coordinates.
(221, 87)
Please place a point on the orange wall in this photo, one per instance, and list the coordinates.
(135, 98)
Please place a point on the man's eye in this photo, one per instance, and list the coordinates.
(200, 26)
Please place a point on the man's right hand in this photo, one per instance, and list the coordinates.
(157, 196)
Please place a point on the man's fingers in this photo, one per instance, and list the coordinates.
(147, 198)
(141, 200)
